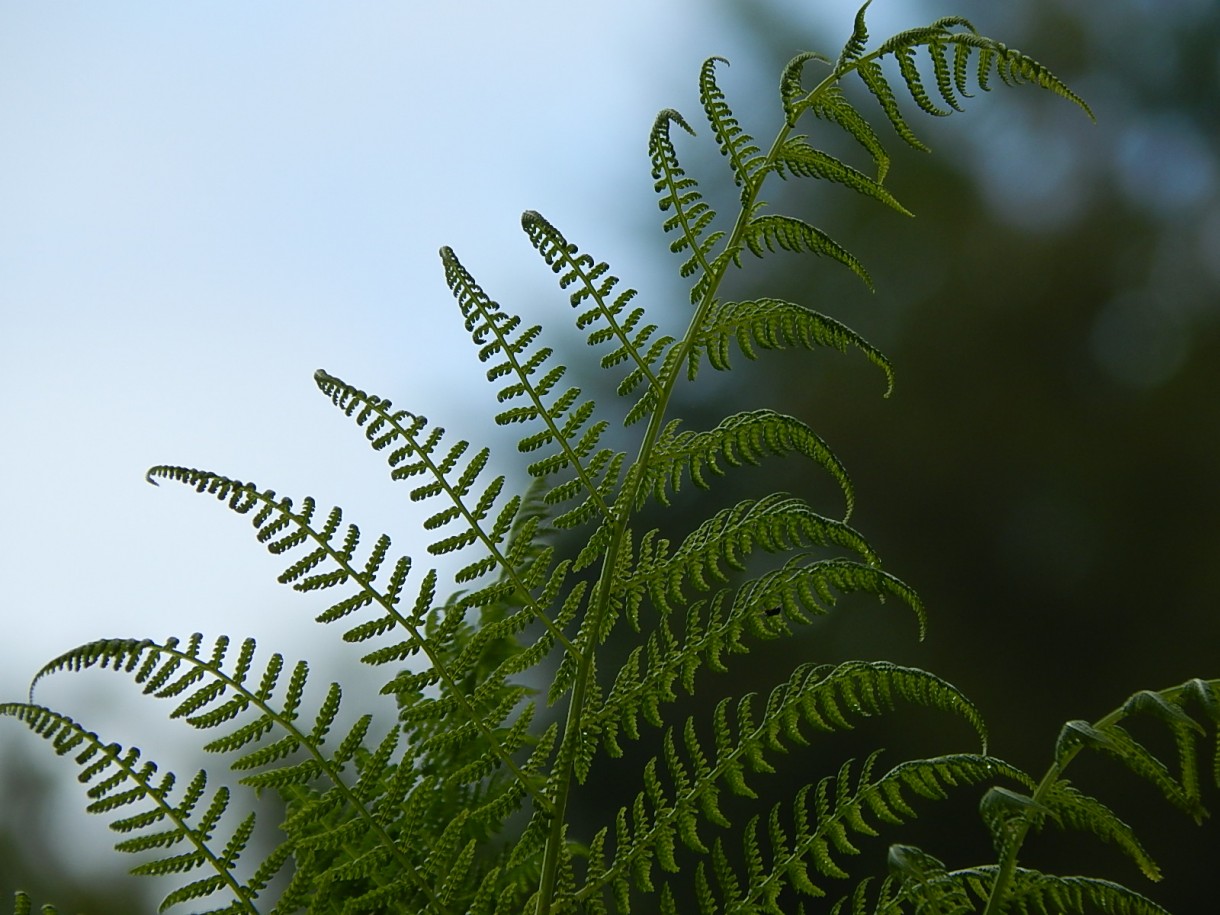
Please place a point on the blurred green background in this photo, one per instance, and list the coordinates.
(1045, 472)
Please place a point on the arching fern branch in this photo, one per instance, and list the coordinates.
(708, 254)
(604, 315)
(774, 324)
(510, 548)
(993, 57)
(1010, 817)
(565, 419)
(214, 696)
(813, 837)
(744, 438)
(156, 815)
(776, 523)
(689, 214)
(745, 158)
(282, 530)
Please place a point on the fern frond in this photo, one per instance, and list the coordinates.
(1003, 811)
(565, 418)
(119, 780)
(833, 106)
(797, 157)
(1011, 818)
(745, 158)
(925, 881)
(1012, 67)
(603, 315)
(1115, 741)
(742, 439)
(824, 819)
(373, 806)
(1070, 808)
(1110, 737)
(775, 324)
(859, 899)
(858, 42)
(772, 231)
(874, 80)
(825, 698)
(802, 586)
(690, 215)
(464, 804)
(793, 96)
(1049, 894)
(776, 523)
(163, 669)
(646, 680)
(282, 529)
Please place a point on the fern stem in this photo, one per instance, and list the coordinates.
(573, 727)
(713, 275)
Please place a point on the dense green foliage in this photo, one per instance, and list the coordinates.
(461, 802)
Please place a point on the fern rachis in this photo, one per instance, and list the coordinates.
(463, 805)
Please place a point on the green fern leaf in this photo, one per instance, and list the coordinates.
(745, 158)
(771, 231)
(774, 524)
(464, 802)
(831, 105)
(910, 75)
(873, 77)
(924, 880)
(690, 215)
(857, 43)
(797, 157)
(1048, 894)
(1117, 742)
(739, 440)
(776, 324)
(118, 780)
(605, 315)
(793, 96)
(802, 586)
(1071, 809)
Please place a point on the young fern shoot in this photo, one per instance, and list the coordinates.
(465, 805)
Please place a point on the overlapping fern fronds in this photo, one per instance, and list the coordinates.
(573, 626)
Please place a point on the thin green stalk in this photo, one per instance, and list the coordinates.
(621, 509)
